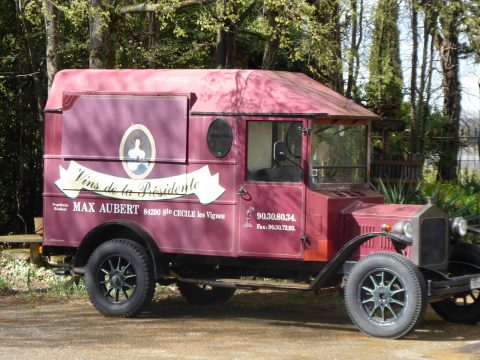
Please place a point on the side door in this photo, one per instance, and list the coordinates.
(271, 194)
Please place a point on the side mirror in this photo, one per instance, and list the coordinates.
(280, 150)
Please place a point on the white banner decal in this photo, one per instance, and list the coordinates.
(200, 182)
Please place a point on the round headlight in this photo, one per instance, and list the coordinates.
(408, 229)
(459, 226)
(403, 227)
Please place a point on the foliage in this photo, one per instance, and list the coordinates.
(385, 83)
(179, 44)
(470, 181)
(3, 283)
(397, 193)
(455, 198)
(20, 276)
(20, 126)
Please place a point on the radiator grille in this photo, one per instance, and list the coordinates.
(433, 249)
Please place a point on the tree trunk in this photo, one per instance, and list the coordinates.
(225, 56)
(34, 61)
(144, 7)
(355, 90)
(337, 73)
(27, 156)
(352, 51)
(51, 16)
(225, 53)
(104, 28)
(97, 36)
(329, 12)
(423, 97)
(448, 47)
(428, 85)
(272, 44)
(477, 136)
(413, 81)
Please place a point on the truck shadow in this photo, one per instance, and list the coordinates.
(285, 309)
(297, 310)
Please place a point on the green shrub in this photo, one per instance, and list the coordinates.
(455, 199)
(397, 193)
(460, 198)
(3, 283)
(19, 275)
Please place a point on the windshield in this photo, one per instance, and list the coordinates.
(338, 154)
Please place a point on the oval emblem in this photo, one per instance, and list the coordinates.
(137, 151)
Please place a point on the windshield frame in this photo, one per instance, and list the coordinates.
(317, 185)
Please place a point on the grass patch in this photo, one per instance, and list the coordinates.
(20, 277)
(3, 283)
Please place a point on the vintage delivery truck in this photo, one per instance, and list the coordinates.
(219, 179)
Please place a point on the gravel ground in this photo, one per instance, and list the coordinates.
(253, 325)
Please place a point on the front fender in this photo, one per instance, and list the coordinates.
(117, 229)
(346, 252)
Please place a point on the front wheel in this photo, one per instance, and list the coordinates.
(462, 307)
(385, 295)
(119, 278)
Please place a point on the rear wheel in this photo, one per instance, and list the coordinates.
(119, 278)
(462, 307)
(204, 294)
(385, 295)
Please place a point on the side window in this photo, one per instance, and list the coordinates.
(219, 138)
(263, 136)
(339, 154)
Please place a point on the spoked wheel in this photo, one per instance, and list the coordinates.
(385, 295)
(382, 295)
(119, 278)
(462, 307)
(204, 294)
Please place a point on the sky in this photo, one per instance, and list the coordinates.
(469, 71)
(469, 74)
(470, 79)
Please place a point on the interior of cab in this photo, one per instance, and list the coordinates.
(338, 153)
(262, 164)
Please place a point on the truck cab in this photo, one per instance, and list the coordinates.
(219, 179)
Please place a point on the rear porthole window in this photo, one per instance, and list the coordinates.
(219, 138)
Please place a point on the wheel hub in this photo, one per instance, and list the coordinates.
(382, 296)
(116, 279)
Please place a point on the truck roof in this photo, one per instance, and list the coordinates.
(217, 91)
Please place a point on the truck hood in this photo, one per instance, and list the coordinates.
(430, 230)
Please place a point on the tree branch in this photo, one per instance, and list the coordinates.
(144, 7)
(246, 13)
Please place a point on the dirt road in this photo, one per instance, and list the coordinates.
(253, 325)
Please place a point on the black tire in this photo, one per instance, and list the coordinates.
(204, 295)
(385, 295)
(119, 278)
(463, 307)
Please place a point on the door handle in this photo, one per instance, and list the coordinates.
(241, 191)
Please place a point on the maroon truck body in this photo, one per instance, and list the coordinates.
(218, 169)
(99, 107)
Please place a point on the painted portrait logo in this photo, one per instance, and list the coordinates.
(137, 151)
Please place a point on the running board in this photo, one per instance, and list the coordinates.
(252, 284)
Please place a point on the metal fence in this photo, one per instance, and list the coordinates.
(469, 154)
(409, 167)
